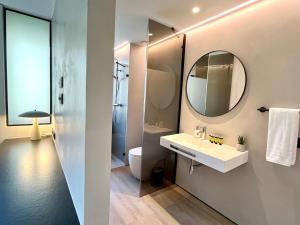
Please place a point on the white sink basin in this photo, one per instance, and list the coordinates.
(219, 157)
(189, 140)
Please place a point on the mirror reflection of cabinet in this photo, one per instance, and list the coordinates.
(216, 83)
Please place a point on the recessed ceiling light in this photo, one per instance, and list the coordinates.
(150, 34)
(196, 9)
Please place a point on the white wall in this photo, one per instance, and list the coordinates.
(12, 131)
(69, 61)
(123, 54)
(82, 123)
(266, 39)
(100, 60)
(83, 55)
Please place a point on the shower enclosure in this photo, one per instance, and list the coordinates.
(119, 120)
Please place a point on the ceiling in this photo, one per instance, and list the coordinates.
(132, 15)
(42, 8)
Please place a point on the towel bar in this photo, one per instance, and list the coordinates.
(264, 109)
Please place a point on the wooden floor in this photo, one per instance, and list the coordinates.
(169, 206)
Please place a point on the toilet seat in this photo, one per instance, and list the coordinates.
(136, 151)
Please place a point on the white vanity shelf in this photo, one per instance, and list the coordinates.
(219, 157)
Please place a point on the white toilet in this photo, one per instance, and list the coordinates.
(135, 156)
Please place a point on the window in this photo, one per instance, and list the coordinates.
(27, 66)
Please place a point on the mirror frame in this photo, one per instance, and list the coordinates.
(186, 83)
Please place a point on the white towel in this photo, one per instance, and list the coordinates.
(283, 136)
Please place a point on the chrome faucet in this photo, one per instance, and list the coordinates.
(200, 132)
(203, 132)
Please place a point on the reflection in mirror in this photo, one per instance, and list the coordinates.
(162, 87)
(216, 83)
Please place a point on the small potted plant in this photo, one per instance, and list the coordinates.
(241, 144)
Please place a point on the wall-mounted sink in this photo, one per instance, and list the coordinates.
(219, 157)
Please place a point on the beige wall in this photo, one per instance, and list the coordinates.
(135, 118)
(266, 39)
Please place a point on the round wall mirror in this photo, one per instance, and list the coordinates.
(216, 83)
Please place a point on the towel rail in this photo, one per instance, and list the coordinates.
(264, 109)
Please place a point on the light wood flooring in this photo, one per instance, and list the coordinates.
(169, 206)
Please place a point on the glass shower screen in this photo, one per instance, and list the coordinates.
(28, 76)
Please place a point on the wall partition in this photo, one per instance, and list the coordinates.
(27, 66)
(162, 107)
